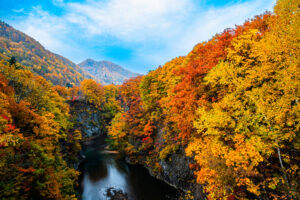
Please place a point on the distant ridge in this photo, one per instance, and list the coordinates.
(106, 72)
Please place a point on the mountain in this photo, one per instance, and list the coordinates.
(107, 72)
(31, 54)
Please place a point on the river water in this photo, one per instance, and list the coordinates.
(102, 170)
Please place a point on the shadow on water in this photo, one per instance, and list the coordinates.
(95, 166)
(101, 171)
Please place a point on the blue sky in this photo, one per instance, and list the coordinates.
(140, 35)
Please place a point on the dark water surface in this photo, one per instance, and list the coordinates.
(102, 171)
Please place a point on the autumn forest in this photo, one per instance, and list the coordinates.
(227, 114)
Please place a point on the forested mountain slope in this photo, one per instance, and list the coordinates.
(30, 53)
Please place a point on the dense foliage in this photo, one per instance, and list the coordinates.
(33, 124)
(232, 103)
(39, 142)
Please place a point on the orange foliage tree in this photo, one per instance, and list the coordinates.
(232, 103)
(33, 122)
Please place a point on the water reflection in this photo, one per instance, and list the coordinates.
(95, 166)
(102, 171)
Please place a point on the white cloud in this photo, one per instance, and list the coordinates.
(130, 20)
(201, 27)
(157, 30)
(215, 20)
(49, 30)
(18, 10)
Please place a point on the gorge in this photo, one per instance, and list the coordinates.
(221, 122)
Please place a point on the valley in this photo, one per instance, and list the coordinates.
(221, 122)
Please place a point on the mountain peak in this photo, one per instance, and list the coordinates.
(106, 72)
(89, 62)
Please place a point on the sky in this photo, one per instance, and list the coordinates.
(139, 35)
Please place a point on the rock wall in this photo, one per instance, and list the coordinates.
(86, 118)
(174, 169)
(176, 172)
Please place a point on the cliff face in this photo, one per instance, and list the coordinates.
(86, 118)
(176, 172)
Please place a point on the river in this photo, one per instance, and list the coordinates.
(102, 170)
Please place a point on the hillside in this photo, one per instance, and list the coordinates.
(30, 53)
(41, 129)
(223, 121)
(106, 72)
